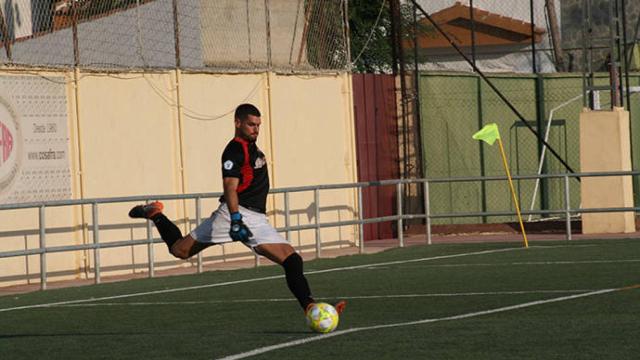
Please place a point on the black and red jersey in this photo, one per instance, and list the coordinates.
(243, 160)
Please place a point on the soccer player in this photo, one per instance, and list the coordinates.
(241, 214)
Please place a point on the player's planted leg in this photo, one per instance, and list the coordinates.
(297, 283)
(293, 265)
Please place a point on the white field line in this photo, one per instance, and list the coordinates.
(306, 340)
(165, 291)
(362, 297)
(527, 263)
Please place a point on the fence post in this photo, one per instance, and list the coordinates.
(427, 212)
(267, 13)
(6, 39)
(198, 219)
(400, 214)
(43, 249)
(567, 206)
(176, 34)
(316, 200)
(74, 33)
(150, 252)
(360, 219)
(96, 242)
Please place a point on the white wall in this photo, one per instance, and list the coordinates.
(128, 137)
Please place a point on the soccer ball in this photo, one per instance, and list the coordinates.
(322, 318)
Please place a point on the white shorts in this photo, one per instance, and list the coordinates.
(215, 229)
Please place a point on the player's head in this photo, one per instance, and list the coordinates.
(247, 120)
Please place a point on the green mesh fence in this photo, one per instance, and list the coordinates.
(454, 106)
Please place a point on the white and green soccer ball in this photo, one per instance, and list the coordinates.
(322, 318)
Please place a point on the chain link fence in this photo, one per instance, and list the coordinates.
(503, 36)
(221, 35)
(498, 36)
(531, 51)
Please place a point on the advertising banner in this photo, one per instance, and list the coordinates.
(34, 140)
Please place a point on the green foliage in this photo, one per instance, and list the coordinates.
(371, 43)
(376, 57)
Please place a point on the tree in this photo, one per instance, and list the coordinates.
(370, 27)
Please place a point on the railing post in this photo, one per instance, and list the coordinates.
(257, 259)
(427, 212)
(567, 206)
(96, 242)
(43, 249)
(198, 220)
(400, 214)
(150, 252)
(360, 219)
(286, 215)
(316, 200)
(224, 253)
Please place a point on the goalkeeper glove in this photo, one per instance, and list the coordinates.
(239, 231)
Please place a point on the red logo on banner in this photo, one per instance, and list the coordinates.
(6, 143)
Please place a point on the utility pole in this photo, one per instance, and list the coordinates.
(558, 54)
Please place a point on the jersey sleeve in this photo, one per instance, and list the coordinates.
(232, 160)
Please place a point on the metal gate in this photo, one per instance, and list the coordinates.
(377, 147)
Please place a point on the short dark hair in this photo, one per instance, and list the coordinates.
(244, 110)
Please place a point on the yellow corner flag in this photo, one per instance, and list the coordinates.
(489, 134)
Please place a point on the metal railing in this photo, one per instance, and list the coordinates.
(566, 211)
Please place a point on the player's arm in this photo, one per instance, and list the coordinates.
(230, 186)
(232, 160)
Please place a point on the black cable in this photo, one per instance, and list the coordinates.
(492, 86)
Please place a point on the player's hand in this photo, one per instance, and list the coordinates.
(239, 231)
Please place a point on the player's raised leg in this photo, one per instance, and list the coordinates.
(182, 247)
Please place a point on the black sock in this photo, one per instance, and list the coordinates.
(296, 281)
(167, 229)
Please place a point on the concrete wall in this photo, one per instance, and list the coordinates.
(605, 146)
(138, 37)
(129, 137)
(235, 32)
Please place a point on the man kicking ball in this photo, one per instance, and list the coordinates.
(241, 214)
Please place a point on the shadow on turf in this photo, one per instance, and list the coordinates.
(17, 336)
(280, 332)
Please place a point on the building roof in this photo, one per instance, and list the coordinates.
(490, 28)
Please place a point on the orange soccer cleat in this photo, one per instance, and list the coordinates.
(146, 211)
(340, 306)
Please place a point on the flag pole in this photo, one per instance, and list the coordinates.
(513, 193)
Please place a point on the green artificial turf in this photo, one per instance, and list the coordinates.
(190, 317)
